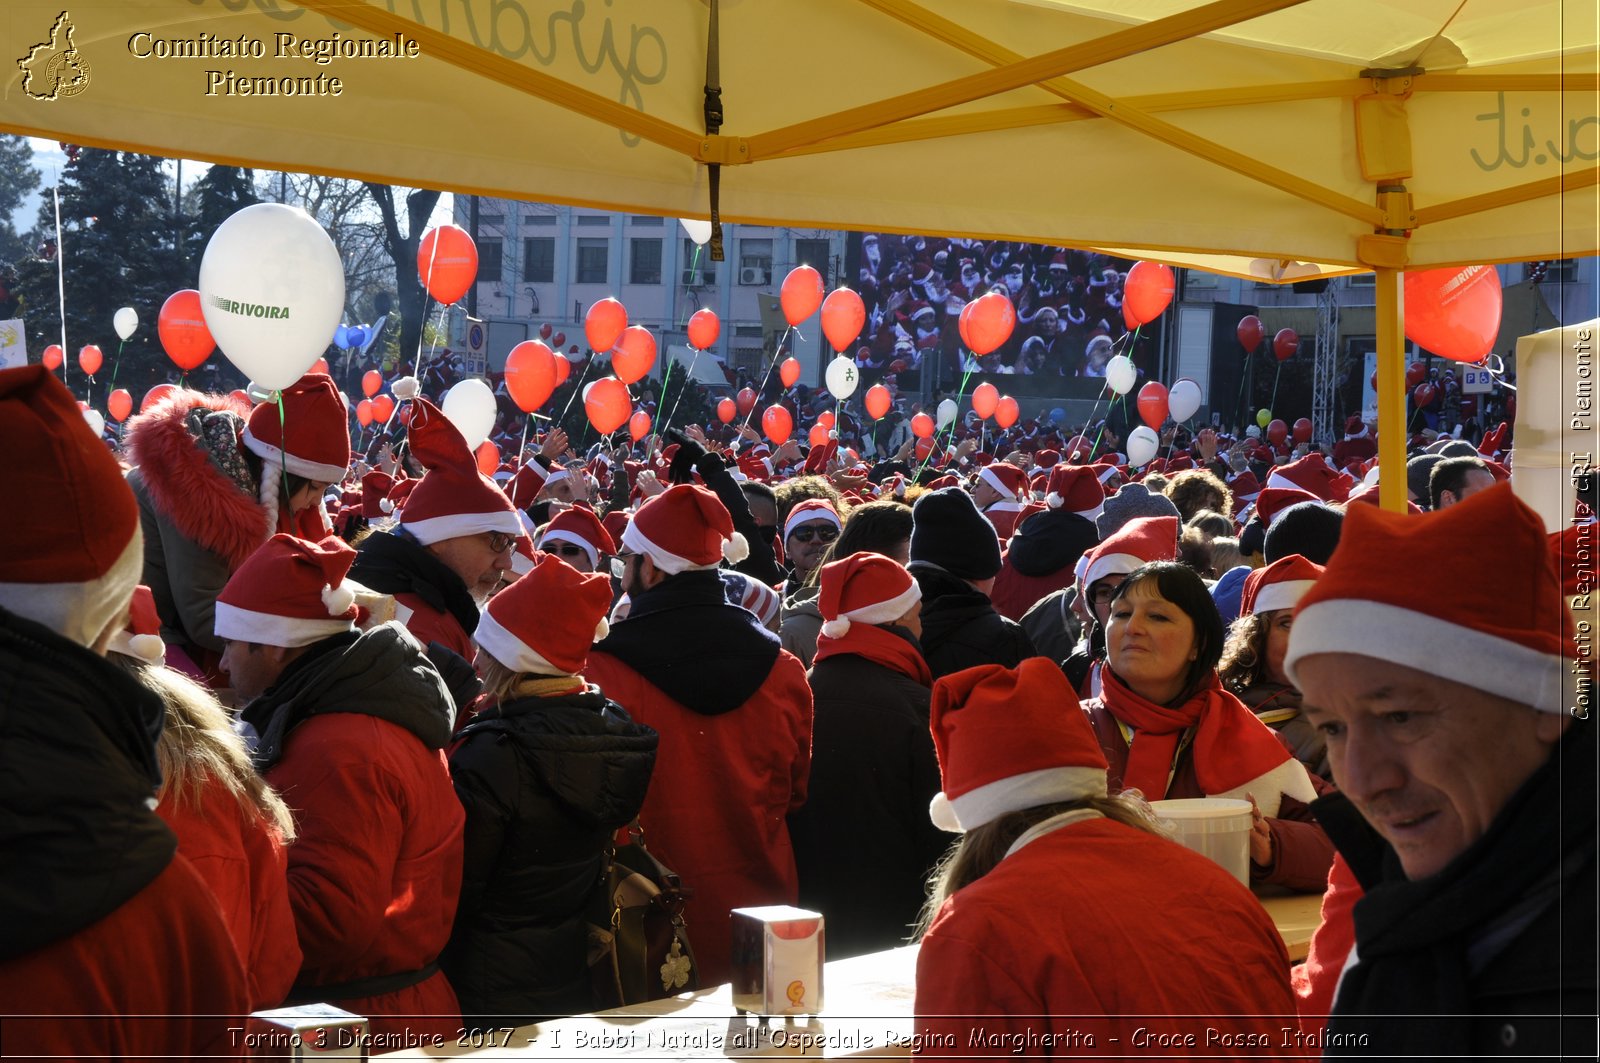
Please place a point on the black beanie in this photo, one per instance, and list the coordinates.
(947, 530)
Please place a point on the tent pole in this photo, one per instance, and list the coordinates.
(1391, 390)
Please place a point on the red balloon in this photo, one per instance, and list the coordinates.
(922, 426)
(1006, 412)
(545, 331)
(383, 408)
(119, 404)
(52, 357)
(563, 369)
(704, 328)
(993, 318)
(1147, 291)
(1285, 343)
(364, 412)
(635, 354)
(777, 423)
(638, 425)
(1302, 430)
(801, 294)
(371, 382)
(604, 324)
(843, 316)
(320, 366)
(964, 325)
(447, 262)
(985, 397)
(1425, 394)
(879, 399)
(405, 414)
(90, 359)
(789, 371)
(182, 328)
(155, 395)
(923, 448)
(1277, 431)
(747, 401)
(818, 436)
(1251, 332)
(1129, 322)
(1416, 373)
(488, 456)
(531, 374)
(726, 411)
(607, 405)
(825, 419)
(1454, 311)
(1153, 404)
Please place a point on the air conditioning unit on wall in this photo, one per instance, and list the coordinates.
(752, 275)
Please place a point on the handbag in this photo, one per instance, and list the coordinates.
(638, 943)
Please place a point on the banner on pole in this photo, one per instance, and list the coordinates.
(13, 344)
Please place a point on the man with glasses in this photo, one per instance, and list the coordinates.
(808, 533)
(577, 537)
(452, 545)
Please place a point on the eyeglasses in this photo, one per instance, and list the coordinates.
(500, 542)
(619, 565)
(822, 532)
(566, 550)
(1103, 593)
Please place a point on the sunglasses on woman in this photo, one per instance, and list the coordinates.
(566, 550)
(826, 533)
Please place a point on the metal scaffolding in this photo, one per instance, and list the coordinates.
(1325, 368)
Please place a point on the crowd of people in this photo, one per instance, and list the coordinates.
(283, 725)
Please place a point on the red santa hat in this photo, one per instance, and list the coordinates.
(615, 523)
(1368, 495)
(545, 622)
(1076, 489)
(864, 588)
(1393, 591)
(291, 592)
(1004, 745)
(1006, 478)
(1280, 585)
(398, 494)
(1355, 427)
(375, 488)
(454, 499)
(582, 528)
(1311, 473)
(1272, 501)
(74, 550)
(686, 528)
(312, 437)
(1047, 458)
(1136, 543)
(140, 637)
(528, 482)
(809, 510)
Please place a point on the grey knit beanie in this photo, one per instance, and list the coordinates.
(1132, 501)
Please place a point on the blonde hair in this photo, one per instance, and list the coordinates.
(198, 743)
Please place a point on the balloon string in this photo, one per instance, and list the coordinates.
(433, 253)
(577, 389)
(1275, 378)
(770, 363)
(283, 458)
(683, 385)
(61, 277)
(117, 364)
(950, 429)
(527, 424)
(434, 346)
(694, 267)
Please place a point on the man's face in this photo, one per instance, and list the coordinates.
(765, 513)
(563, 490)
(807, 543)
(1477, 480)
(251, 669)
(1429, 762)
(570, 552)
(480, 560)
(1100, 596)
(1049, 323)
(984, 496)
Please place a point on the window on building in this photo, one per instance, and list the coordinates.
(755, 261)
(488, 260)
(492, 221)
(539, 259)
(1199, 278)
(644, 265)
(647, 221)
(540, 220)
(592, 220)
(1363, 280)
(698, 269)
(814, 253)
(592, 261)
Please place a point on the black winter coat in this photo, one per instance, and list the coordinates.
(546, 782)
(863, 842)
(960, 628)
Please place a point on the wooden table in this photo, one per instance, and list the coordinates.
(1297, 918)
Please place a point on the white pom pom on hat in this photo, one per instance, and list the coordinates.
(338, 599)
(736, 549)
(148, 647)
(407, 387)
(836, 628)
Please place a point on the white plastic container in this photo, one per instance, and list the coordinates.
(1215, 827)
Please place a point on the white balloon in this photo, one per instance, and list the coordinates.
(471, 408)
(96, 423)
(842, 377)
(699, 231)
(1142, 445)
(272, 291)
(125, 321)
(1120, 374)
(1183, 399)
(947, 412)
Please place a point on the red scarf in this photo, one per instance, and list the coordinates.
(880, 646)
(1231, 746)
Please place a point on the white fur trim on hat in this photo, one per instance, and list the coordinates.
(602, 629)
(268, 629)
(147, 648)
(735, 549)
(1285, 594)
(406, 387)
(1013, 794)
(1110, 565)
(455, 525)
(509, 650)
(564, 536)
(798, 516)
(1421, 641)
(310, 470)
(665, 560)
(987, 475)
(883, 612)
(81, 611)
(555, 476)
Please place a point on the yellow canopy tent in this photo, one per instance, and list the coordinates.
(1279, 139)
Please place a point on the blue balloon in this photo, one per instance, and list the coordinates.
(341, 336)
(1058, 415)
(357, 336)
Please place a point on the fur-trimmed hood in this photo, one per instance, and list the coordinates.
(185, 483)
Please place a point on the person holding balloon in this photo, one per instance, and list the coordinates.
(214, 480)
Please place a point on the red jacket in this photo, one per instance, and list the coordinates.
(376, 870)
(242, 859)
(722, 788)
(432, 625)
(157, 978)
(1014, 594)
(1094, 931)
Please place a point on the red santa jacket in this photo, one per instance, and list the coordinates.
(242, 859)
(157, 978)
(723, 783)
(1005, 515)
(432, 625)
(1096, 918)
